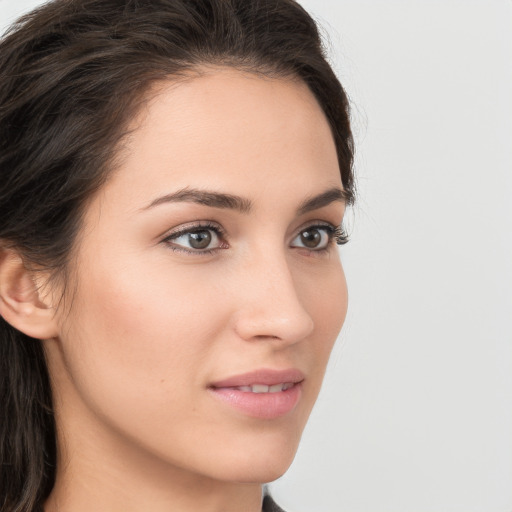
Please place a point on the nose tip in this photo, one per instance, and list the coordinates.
(263, 326)
(272, 309)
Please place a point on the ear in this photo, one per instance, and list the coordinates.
(20, 301)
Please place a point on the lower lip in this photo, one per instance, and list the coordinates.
(261, 405)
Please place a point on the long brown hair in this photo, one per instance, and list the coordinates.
(71, 76)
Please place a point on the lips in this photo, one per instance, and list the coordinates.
(263, 388)
(262, 376)
(264, 393)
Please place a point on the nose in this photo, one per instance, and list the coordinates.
(269, 303)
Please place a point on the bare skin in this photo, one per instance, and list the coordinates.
(155, 320)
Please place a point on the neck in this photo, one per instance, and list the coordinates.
(84, 484)
(98, 469)
(103, 469)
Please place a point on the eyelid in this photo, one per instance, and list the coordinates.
(339, 234)
(336, 234)
(190, 227)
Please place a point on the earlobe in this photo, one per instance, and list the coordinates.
(20, 301)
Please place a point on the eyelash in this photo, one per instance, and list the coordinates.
(200, 226)
(340, 236)
(336, 235)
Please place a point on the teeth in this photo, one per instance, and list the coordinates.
(262, 388)
(259, 388)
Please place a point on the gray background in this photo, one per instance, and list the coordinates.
(416, 410)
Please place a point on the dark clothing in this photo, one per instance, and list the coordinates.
(269, 505)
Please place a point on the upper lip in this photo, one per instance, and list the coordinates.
(266, 376)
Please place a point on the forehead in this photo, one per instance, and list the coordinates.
(229, 130)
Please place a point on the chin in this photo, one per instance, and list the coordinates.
(261, 464)
(259, 453)
(260, 473)
(268, 474)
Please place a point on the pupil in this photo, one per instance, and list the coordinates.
(200, 239)
(311, 239)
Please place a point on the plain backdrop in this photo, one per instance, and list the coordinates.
(416, 411)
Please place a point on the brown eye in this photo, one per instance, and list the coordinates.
(199, 239)
(195, 239)
(311, 238)
(315, 238)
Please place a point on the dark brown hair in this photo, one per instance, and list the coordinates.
(72, 74)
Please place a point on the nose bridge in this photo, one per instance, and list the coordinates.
(270, 304)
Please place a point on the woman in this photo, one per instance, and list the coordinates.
(173, 179)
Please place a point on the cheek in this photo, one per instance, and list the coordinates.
(325, 297)
(136, 335)
(141, 341)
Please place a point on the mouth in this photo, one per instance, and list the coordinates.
(264, 394)
(263, 388)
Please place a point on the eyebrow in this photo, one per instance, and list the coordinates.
(205, 197)
(243, 205)
(331, 195)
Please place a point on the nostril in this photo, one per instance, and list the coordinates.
(273, 328)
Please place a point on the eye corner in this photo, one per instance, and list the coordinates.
(324, 233)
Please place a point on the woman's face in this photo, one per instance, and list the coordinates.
(209, 291)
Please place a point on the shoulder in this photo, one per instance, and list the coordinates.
(269, 505)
